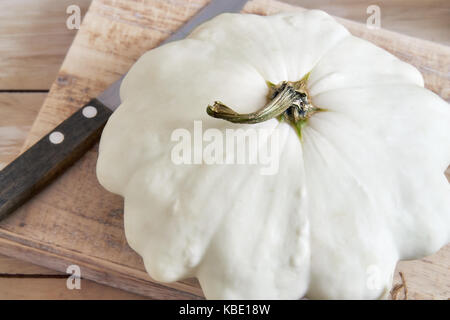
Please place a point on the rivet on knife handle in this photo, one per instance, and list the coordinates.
(50, 155)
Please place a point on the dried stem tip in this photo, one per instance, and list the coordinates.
(287, 100)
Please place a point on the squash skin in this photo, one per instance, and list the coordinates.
(363, 189)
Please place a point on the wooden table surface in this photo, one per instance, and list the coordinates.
(33, 42)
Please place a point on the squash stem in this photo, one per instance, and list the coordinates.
(286, 101)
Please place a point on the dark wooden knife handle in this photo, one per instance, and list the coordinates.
(52, 154)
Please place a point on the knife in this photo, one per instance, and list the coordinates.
(66, 143)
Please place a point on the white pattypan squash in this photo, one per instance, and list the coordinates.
(360, 183)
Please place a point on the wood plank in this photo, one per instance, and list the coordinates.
(101, 271)
(11, 266)
(74, 220)
(55, 288)
(34, 38)
(33, 41)
(425, 19)
(428, 278)
(22, 280)
(17, 114)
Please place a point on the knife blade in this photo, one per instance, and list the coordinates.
(66, 143)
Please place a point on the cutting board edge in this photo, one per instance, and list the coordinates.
(58, 260)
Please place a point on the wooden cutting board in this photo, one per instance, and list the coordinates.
(75, 221)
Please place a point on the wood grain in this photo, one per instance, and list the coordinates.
(427, 278)
(425, 19)
(10, 266)
(74, 220)
(33, 41)
(17, 114)
(55, 287)
(19, 280)
(34, 38)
